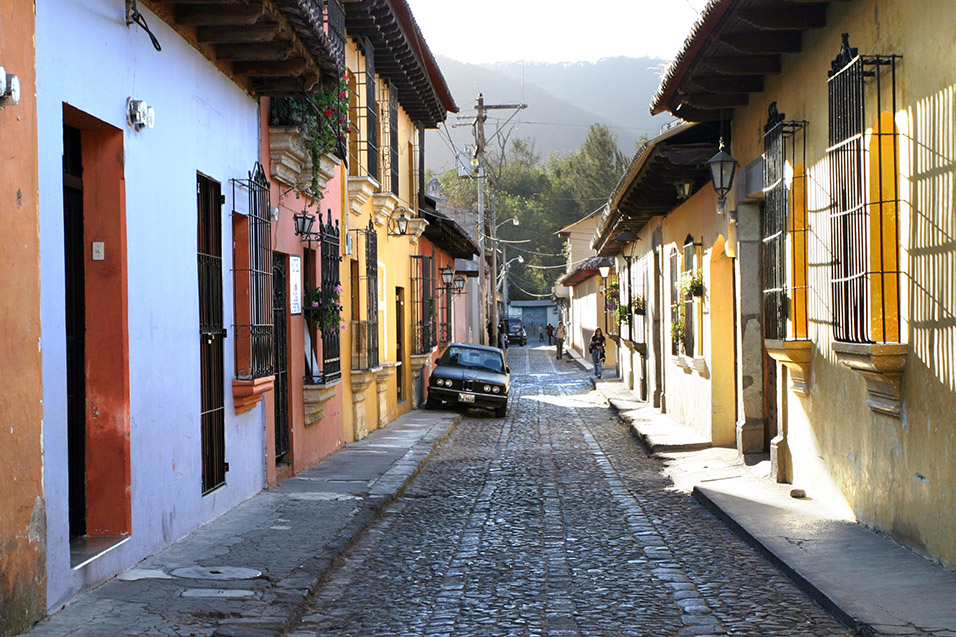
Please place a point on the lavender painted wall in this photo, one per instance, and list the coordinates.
(88, 58)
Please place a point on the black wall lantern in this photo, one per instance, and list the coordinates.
(303, 223)
(722, 168)
(399, 225)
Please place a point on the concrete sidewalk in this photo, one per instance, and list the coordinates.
(869, 582)
(249, 572)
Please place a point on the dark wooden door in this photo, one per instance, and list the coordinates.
(75, 314)
(211, 334)
(280, 286)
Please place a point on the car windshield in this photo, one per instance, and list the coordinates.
(474, 358)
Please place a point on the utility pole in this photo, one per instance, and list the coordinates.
(485, 317)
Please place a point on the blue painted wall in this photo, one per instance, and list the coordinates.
(88, 58)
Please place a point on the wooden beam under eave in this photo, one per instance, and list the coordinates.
(692, 113)
(765, 41)
(725, 84)
(283, 86)
(284, 68)
(716, 100)
(216, 14)
(742, 64)
(237, 34)
(807, 15)
(265, 51)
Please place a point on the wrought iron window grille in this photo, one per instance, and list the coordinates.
(863, 214)
(253, 268)
(423, 303)
(784, 253)
(365, 343)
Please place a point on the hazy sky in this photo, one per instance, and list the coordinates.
(555, 30)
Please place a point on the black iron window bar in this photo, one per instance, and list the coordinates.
(393, 139)
(334, 17)
(254, 340)
(366, 106)
(388, 127)
(784, 288)
(423, 304)
(676, 309)
(637, 296)
(689, 268)
(365, 345)
(854, 82)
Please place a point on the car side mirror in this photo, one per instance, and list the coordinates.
(507, 370)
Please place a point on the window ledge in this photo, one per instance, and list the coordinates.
(246, 394)
(383, 203)
(419, 360)
(683, 362)
(361, 380)
(360, 190)
(290, 163)
(699, 363)
(636, 346)
(316, 397)
(881, 365)
(796, 355)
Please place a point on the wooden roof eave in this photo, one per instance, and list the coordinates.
(269, 47)
(730, 51)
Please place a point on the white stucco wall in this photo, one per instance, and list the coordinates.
(88, 58)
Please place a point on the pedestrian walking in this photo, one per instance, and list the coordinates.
(559, 335)
(540, 334)
(550, 331)
(596, 348)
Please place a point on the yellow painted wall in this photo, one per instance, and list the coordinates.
(897, 474)
(694, 396)
(393, 270)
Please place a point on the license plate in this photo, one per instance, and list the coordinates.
(466, 398)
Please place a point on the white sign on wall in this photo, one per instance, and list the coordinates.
(295, 285)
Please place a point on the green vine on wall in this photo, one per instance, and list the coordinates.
(323, 119)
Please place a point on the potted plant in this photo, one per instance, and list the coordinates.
(621, 314)
(638, 305)
(678, 331)
(692, 283)
(323, 119)
(324, 310)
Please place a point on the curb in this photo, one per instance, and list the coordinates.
(293, 594)
(808, 587)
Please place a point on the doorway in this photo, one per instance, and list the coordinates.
(280, 286)
(75, 307)
(96, 330)
(399, 342)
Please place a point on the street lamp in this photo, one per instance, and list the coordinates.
(604, 270)
(722, 167)
(398, 225)
(513, 221)
(628, 241)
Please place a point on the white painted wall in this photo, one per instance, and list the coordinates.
(88, 58)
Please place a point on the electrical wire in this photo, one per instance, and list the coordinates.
(540, 296)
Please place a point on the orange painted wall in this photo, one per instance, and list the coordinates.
(22, 509)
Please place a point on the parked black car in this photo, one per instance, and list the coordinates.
(470, 376)
(515, 330)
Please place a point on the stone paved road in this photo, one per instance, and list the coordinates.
(553, 521)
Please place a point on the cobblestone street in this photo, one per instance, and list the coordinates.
(553, 521)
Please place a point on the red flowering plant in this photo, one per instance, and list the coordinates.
(323, 118)
(324, 310)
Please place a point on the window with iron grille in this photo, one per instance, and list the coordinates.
(784, 252)
(393, 139)
(677, 306)
(423, 304)
(253, 277)
(363, 117)
(211, 334)
(330, 321)
(863, 171)
(365, 345)
(689, 269)
(334, 17)
(445, 324)
(636, 291)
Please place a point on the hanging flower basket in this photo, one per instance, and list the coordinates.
(691, 283)
(638, 305)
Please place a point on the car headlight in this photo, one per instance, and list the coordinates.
(486, 388)
(439, 381)
(496, 389)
